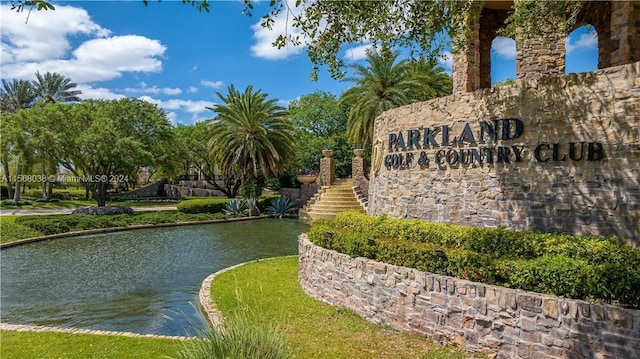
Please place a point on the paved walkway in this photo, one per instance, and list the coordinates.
(43, 211)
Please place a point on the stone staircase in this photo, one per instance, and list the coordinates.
(338, 197)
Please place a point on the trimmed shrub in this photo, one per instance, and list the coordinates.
(102, 211)
(204, 205)
(586, 267)
(20, 202)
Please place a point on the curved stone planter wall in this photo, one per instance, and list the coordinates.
(500, 321)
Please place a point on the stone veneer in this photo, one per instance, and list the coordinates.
(502, 322)
(600, 197)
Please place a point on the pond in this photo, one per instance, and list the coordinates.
(142, 281)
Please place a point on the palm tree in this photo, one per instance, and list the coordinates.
(434, 81)
(16, 94)
(251, 135)
(53, 87)
(386, 83)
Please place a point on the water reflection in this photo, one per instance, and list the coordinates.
(143, 281)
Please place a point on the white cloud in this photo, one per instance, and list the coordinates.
(98, 93)
(357, 53)
(43, 45)
(45, 35)
(504, 47)
(588, 41)
(154, 90)
(212, 84)
(195, 108)
(192, 89)
(263, 48)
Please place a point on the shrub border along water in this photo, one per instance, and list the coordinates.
(121, 229)
(587, 267)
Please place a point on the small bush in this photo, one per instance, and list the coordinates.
(236, 208)
(280, 206)
(20, 202)
(101, 211)
(239, 338)
(205, 205)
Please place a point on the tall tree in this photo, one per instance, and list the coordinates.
(250, 135)
(53, 87)
(434, 81)
(320, 122)
(382, 84)
(192, 147)
(14, 96)
(100, 142)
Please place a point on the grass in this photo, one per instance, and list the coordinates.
(20, 345)
(11, 231)
(70, 204)
(269, 292)
(13, 228)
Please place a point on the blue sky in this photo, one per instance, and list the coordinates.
(172, 55)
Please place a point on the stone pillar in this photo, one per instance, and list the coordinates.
(358, 173)
(327, 168)
(538, 57)
(466, 62)
(625, 31)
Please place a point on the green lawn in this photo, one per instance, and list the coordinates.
(40, 225)
(27, 345)
(84, 203)
(269, 292)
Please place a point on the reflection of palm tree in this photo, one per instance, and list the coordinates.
(250, 134)
(385, 84)
(53, 87)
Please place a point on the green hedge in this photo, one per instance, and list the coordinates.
(585, 267)
(215, 204)
(54, 224)
(203, 205)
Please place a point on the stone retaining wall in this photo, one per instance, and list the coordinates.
(501, 322)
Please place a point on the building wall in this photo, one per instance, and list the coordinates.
(503, 322)
(519, 180)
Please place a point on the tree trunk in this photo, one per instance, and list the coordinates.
(5, 165)
(43, 180)
(100, 193)
(16, 193)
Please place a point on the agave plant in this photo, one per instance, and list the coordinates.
(280, 206)
(236, 208)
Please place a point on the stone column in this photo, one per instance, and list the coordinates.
(327, 168)
(358, 173)
(466, 62)
(625, 30)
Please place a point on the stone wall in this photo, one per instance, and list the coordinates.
(502, 322)
(155, 189)
(564, 156)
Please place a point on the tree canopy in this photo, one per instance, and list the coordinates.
(250, 134)
(100, 142)
(424, 27)
(320, 122)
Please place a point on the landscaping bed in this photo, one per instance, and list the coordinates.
(587, 267)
